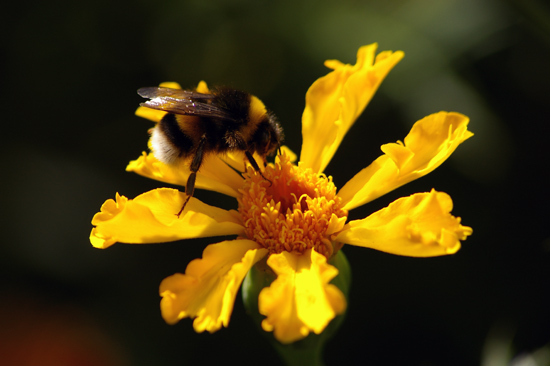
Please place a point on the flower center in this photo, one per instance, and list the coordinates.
(292, 209)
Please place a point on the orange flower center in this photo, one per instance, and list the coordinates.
(292, 209)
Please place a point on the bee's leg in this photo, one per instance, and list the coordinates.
(255, 165)
(189, 189)
(194, 167)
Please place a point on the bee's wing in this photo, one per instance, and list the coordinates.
(179, 101)
(159, 92)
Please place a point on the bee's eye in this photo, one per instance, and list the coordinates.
(265, 137)
(262, 137)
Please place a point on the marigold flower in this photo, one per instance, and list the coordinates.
(293, 215)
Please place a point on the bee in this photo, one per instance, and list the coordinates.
(198, 124)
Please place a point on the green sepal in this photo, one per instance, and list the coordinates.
(307, 351)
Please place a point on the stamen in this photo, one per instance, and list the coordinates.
(294, 211)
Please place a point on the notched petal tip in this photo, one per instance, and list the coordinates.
(420, 225)
(208, 288)
(151, 218)
(429, 143)
(301, 299)
(110, 209)
(334, 102)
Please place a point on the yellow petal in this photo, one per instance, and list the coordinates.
(150, 114)
(207, 289)
(237, 160)
(151, 218)
(292, 157)
(214, 174)
(170, 84)
(429, 143)
(201, 88)
(300, 299)
(417, 226)
(334, 102)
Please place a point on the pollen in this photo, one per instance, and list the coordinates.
(291, 209)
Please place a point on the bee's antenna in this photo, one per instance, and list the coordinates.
(255, 165)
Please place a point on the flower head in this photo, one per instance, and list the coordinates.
(297, 211)
(293, 214)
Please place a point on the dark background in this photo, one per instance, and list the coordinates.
(69, 75)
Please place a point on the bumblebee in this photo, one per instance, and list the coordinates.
(198, 124)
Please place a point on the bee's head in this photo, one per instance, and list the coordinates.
(269, 136)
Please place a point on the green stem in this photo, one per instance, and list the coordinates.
(294, 355)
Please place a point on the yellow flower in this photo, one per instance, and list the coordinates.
(295, 217)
